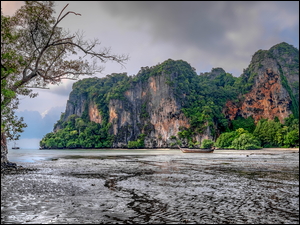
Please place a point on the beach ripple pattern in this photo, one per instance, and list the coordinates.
(169, 189)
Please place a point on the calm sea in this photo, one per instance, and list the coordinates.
(33, 155)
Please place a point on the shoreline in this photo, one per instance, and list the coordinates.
(161, 149)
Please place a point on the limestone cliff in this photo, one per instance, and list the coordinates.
(274, 75)
(149, 108)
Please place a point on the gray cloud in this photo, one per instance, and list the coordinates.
(204, 33)
(34, 121)
(64, 88)
(176, 22)
(228, 33)
(38, 126)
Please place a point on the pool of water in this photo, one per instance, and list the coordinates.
(33, 155)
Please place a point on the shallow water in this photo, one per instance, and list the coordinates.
(34, 155)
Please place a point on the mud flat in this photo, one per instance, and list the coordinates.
(227, 186)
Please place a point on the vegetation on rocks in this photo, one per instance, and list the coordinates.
(267, 133)
(201, 98)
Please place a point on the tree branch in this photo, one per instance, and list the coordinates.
(58, 21)
(37, 87)
(94, 54)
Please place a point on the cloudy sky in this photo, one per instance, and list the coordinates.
(205, 34)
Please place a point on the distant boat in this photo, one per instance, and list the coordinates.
(197, 150)
(15, 147)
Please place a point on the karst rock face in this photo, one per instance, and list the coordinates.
(267, 99)
(150, 106)
(275, 77)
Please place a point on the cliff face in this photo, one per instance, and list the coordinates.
(75, 105)
(274, 93)
(267, 99)
(155, 101)
(150, 108)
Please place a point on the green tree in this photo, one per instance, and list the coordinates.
(34, 53)
(246, 141)
(267, 131)
(280, 135)
(225, 139)
(247, 124)
(139, 143)
(241, 131)
(80, 124)
(207, 143)
(133, 144)
(51, 143)
(292, 138)
(291, 122)
(11, 126)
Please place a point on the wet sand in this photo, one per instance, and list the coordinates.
(227, 186)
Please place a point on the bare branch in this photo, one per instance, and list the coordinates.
(62, 11)
(34, 42)
(101, 56)
(77, 14)
(58, 21)
(60, 40)
(54, 60)
(37, 87)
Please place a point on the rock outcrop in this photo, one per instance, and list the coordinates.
(274, 93)
(150, 108)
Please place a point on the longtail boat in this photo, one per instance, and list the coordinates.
(197, 150)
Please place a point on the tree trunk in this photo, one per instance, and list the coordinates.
(4, 151)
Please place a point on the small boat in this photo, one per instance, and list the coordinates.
(15, 147)
(197, 150)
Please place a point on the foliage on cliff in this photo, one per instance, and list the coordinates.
(267, 133)
(77, 133)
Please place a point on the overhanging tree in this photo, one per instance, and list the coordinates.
(36, 52)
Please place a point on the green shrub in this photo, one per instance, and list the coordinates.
(139, 143)
(246, 141)
(133, 144)
(207, 143)
(225, 139)
(292, 138)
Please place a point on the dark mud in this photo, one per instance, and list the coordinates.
(224, 187)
